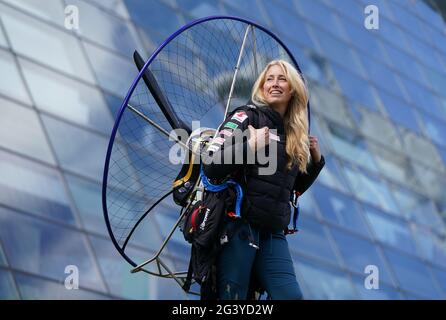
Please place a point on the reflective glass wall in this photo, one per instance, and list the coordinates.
(378, 108)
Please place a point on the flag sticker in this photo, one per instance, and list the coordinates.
(240, 116)
(231, 125)
(213, 148)
(218, 140)
(226, 132)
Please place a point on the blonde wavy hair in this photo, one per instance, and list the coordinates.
(296, 116)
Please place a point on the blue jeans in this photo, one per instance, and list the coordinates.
(271, 264)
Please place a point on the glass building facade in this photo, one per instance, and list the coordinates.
(378, 108)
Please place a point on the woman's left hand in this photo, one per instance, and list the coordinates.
(314, 149)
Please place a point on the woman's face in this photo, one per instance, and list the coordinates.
(276, 89)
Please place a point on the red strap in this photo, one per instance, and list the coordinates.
(194, 217)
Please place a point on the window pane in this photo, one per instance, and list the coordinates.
(312, 240)
(359, 253)
(112, 32)
(370, 190)
(435, 129)
(199, 9)
(383, 293)
(390, 230)
(350, 8)
(412, 274)
(154, 15)
(430, 246)
(37, 247)
(65, 51)
(116, 6)
(53, 10)
(348, 145)
(400, 112)
(340, 209)
(137, 285)
(355, 88)
(331, 176)
(12, 85)
(419, 209)
(21, 131)
(3, 42)
(440, 276)
(33, 288)
(377, 128)
(432, 182)
(247, 8)
(33, 188)
(7, 287)
(330, 105)
(67, 98)
(286, 22)
(421, 149)
(2, 256)
(338, 51)
(114, 73)
(323, 282)
(76, 149)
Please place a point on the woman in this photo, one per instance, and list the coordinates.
(257, 253)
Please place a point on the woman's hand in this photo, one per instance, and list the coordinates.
(258, 138)
(314, 149)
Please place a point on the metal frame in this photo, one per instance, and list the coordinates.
(179, 277)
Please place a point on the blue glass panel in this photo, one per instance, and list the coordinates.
(440, 276)
(85, 152)
(393, 34)
(419, 209)
(430, 246)
(7, 287)
(2, 256)
(106, 29)
(355, 88)
(331, 176)
(383, 293)
(323, 282)
(321, 15)
(3, 42)
(154, 15)
(133, 285)
(412, 274)
(312, 240)
(284, 22)
(67, 98)
(33, 188)
(340, 209)
(390, 230)
(22, 132)
(247, 8)
(359, 253)
(348, 8)
(66, 53)
(113, 72)
(435, 129)
(37, 247)
(349, 145)
(33, 288)
(116, 7)
(382, 76)
(199, 8)
(400, 112)
(338, 51)
(420, 97)
(307, 205)
(370, 190)
(53, 10)
(437, 81)
(12, 85)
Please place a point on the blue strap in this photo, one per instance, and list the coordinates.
(219, 187)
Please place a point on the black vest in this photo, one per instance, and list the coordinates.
(266, 197)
